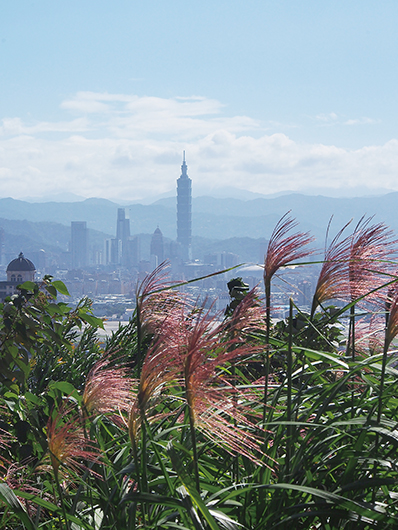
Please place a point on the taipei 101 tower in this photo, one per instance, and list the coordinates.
(184, 212)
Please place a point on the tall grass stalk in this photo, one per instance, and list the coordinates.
(283, 248)
(61, 501)
(391, 333)
(192, 431)
(289, 441)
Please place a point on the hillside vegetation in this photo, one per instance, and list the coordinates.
(185, 419)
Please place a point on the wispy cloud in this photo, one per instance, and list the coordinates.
(361, 121)
(327, 118)
(14, 127)
(334, 119)
(124, 146)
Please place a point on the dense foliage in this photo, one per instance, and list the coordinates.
(185, 419)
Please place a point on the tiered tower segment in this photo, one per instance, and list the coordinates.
(184, 212)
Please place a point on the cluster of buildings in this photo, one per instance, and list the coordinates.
(123, 251)
(113, 277)
(111, 281)
(122, 265)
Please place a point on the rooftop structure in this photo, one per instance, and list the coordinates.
(184, 212)
(19, 270)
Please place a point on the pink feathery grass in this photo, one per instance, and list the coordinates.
(369, 336)
(108, 390)
(67, 444)
(190, 354)
(161, 366)
(202, 352)
(154, 281)
(371, 246)
(247, 316)
(222, 418)
(159, 369)
(392, 325)
(391, 333)
(5, 439)
(284, 249)
(19, 478)
(213, 404)
(157, 301)
(333, 280)
(155, 305)
(392, 293)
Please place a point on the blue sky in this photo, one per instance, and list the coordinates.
(99, 98)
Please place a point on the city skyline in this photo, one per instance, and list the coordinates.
(99, 100)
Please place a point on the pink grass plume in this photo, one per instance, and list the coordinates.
(333, 280)
(108, 390)
(67, 444)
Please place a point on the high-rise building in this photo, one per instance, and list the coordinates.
(115, 251)
(157, 247)
(184, 212)
(123, 225)
(304, 293)
(123, 236)
(79, 244)
(2, 239)
(228, 259)
(134, 253)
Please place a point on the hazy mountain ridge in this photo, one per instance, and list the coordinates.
(30, 236)
(213, 218)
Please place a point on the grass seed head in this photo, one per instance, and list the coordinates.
(67, 444)
(107, 390)
(283, 248)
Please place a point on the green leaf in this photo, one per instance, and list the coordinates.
(376, 512)
(152, 498)
(330, 357)
(61, 287)
(52, 290)
(64, 387)
(47, 505)
(189, 485)
(91, 319)
(14, 388)
(9, 497)
(28, 286)
(53, 309)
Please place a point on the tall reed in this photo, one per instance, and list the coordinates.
(283, 249)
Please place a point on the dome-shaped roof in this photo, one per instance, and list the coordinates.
(20, 264)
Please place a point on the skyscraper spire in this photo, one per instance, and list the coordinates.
(184, 211)
(184, 167)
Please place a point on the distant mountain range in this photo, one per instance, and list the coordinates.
(213, 218)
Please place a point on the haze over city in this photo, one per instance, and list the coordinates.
(198, 264)
(99, 99)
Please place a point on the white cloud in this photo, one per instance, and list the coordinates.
(127, 147)
(15, 126)
(334, 119)
(361, 121)
(327, 118)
